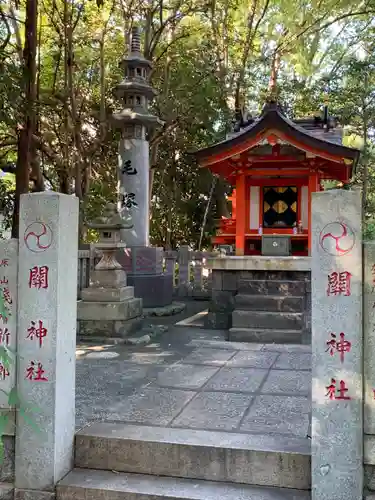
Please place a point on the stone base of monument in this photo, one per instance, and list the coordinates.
(109, 318)
(144, 269)
(155, 290)
(109, 312)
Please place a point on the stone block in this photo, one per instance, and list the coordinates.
(217, 280)
(214, 410)
(184, 376)
(237, 380)
(265, 460)
(7, 462)
(98, 484)
(230, 280)
(109, 279)
(269, 303)
(96, 294)
(267, 320)
(109, 311)
(22, 494)
(7, 491)
(265, 287)
(279, 414)
(369, 477)
(155, 290)
(142, 260)
(218, 321)
(222, 301)
(265, 335)
(109, 328)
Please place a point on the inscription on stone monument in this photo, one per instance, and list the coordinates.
(337, 394)
(8, 313)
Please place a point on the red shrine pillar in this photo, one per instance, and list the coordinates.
(313, 188)
(240, 214)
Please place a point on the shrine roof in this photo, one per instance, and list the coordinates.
(305, 134)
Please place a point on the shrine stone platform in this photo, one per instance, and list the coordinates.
(261, 299)
(195, 415)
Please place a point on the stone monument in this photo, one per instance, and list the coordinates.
(143, 264)
(108, 307)
(46, 341)
(337, 343)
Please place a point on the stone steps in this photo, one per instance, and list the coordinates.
(272, 287)
(82, 484)
(267, 320)
(271, 303)
(261, 460)
(265, 336)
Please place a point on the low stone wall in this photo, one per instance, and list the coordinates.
(225, 285)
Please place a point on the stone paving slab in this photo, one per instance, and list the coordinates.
(288, 382)
(278, 414)
(184, 376)
(214, 410)
(152, 405)
(188, 380)
(251, 359)
(237, 380)
(294, 361)
(209, 356)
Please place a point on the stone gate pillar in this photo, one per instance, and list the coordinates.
(337, 387)
(47, 304)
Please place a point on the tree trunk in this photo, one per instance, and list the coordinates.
(25, 138)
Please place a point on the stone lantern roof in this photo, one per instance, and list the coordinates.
(109, 225)
(134, 90)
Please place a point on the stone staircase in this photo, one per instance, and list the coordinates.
(269, 311)
(115, 460)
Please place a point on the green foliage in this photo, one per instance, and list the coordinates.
(207, 57)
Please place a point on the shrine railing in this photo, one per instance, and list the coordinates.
(191, 276)
(226, 226)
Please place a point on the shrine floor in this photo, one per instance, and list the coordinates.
(193, 379)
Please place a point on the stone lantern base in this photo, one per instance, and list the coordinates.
(109, 312)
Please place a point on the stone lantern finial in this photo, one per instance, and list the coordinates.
(135, 47)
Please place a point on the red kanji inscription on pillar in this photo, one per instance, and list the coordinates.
(4, 336)
(36, 372)
(7, 296)
(4, 262)
(341, 346)
(38, 331)
(337, 392)
(3, 372)
(38, 277)
(339, 284)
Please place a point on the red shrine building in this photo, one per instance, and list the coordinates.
(274, 165)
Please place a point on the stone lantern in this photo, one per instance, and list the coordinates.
(108, 306)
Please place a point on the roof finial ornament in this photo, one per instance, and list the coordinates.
(272, 86)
